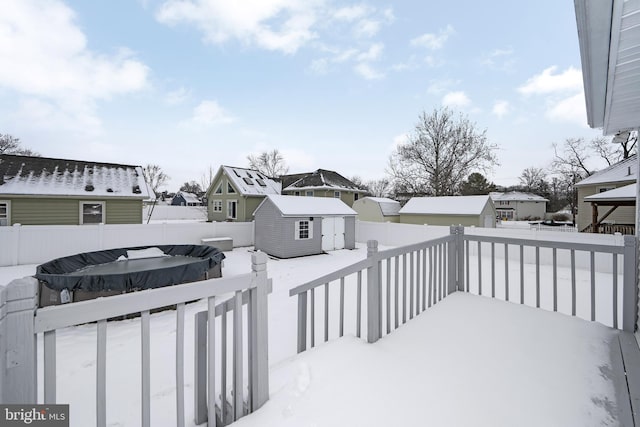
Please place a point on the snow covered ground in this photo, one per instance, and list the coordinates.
(467, 361)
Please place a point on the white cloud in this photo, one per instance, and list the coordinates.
(436, 87)
(44, 55)
(372, 54)
(501, 108)
(367, 28)
(208, 113)
(456, 99)
(549, 81)
(366, 71)
(282, 25)
(433, 41)
(499, 59)
(320, 66)
(571, 109)
(177, 96)
(351, 13)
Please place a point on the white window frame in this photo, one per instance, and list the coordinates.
(93, 202)
(336, 194)
(309, 193)
(8, 218)
(299, 228)
(230, 189)
(229, 209)
(216, 205)
(218, 189)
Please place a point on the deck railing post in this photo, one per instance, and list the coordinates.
(374, 306)
(630, 286)
(259, 357)
(18, 373)
(451, 260)
(460, 256)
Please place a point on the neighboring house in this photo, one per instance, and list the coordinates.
(47, 191)
(378, 209)
(289, 226)
(322, 183)
(477, 211)
(235, 193)
(182, 198)
(619, 175)
(519, 206)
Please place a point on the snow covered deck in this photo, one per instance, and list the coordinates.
(469, 360)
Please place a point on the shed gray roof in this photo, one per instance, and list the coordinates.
(309, 206)
(623, 171)
(446, 205)
(518, 196)
(26, 175)
(188, 197)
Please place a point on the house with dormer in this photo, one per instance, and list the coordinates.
(235, 193)
(322, 183)
(49, 191)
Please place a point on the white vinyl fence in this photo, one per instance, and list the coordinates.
(174, 213)
(35, 244)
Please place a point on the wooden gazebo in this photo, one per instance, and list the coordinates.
(622, 196)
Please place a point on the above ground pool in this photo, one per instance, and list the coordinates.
(114, 271)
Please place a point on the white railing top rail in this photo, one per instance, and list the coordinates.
(62, 316)
(588, 247)
(366, 263)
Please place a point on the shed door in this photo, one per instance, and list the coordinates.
(332, 233)
(489, 221)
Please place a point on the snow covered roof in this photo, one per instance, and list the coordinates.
(623, 171)
(43, 176)
(517, 196)
(449, 205)
(387, 206)
(321, 179)
(250, 182)
(309, 206)
(188, 197)
(620, 194)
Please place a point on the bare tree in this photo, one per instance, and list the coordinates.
(269, 163)
(440, 154)
(155, 177)
(191, 187)
(606, 150)
(206, 179)
(627, 145)
(571, 157)
(11, 145)
(533, 179)
(380, 187)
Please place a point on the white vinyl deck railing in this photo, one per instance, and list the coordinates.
(409, 279)
(21, 321)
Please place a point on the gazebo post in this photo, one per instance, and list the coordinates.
(594, 218)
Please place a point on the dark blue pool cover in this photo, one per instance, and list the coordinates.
(99, 271)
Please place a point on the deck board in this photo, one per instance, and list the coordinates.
(631, 359)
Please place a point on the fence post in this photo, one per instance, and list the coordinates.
(374, 303)
(630, 286)
(451, 260)
(18, 374)
(460, 256)
(302, 321)
(200, 367)
(259, 356)
(16, 244)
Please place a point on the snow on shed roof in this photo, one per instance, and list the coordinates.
(622, 171)
(27, 175)
(188, 197)
(309, 206)
(518, 196)
(387, 206)
(620, 194)
(250, 182)
(450, 205)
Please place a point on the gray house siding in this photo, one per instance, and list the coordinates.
(350, 232)
(275, 234)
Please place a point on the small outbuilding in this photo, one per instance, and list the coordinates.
(477, 211)
(377, 209)
(182, 198)
(291, 226)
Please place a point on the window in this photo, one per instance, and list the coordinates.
(336, 194)
(217, 205)
(232, 209)
(309, 193)
(219, 189)
(230, 189)
(303, 230)
(92, 213)
(296, 193)
(5, 213)
(603, 189)
(261, 182)
(248, 181)
(356, 196)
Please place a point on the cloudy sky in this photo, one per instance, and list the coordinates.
(189, 84)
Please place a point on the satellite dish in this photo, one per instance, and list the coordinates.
(621, 137)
